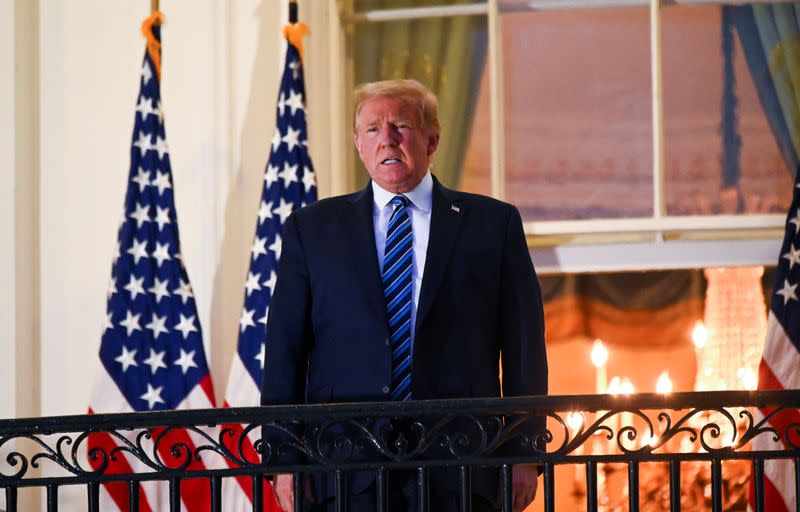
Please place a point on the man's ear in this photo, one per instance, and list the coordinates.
(433, 142)
(358, 145)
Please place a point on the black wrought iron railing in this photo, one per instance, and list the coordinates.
(610, 442)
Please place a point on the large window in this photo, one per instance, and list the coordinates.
(625, 132)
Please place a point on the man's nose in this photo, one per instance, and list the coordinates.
(389, 136)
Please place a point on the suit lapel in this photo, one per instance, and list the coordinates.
(364, 254)
(446, 215)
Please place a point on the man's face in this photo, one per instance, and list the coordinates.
(392, 143)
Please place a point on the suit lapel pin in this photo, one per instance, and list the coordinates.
(455, 208)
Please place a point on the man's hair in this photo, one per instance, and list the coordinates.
(405, 89)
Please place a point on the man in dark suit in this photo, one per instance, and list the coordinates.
(404, 290)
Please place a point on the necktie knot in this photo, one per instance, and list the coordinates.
(399, 201)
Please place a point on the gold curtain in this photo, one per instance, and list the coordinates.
(770, 37)
(445, 54)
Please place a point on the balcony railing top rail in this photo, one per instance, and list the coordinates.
(532, 405)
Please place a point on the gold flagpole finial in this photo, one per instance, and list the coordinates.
(295, 30)
(153, 43)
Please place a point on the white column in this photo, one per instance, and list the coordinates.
(7, 203)
(18, 210)
(19, 175)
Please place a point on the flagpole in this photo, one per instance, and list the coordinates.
(154, 8)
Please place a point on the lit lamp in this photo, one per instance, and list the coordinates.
(663, 387)
(699, 335)
(615, 385)
(599, 360)
(574, 423)
(664, 383)
(700, 339)
(647, 440)
(626, 388)
(749, 378)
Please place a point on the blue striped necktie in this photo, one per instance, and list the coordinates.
(397, 289)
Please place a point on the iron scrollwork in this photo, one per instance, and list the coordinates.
(272, 439)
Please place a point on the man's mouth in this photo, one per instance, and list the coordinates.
(390, 161)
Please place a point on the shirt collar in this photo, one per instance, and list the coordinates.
(421, 196)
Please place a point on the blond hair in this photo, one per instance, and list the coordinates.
(405, 89)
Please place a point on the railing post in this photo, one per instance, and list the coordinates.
(258, 493)
(716, 485)
(11, 499)
(174, 494)
(299, 495)
(508, 502)
(93, 496)
(52, 498)
(549, 487)
(422, 488)
(591, 486)
(466, 492)
(633, 486)
(341, 495)
(216, 493)
(380, 478)
(675, 485)
(797, 481)
(133, 495)
(758, 483)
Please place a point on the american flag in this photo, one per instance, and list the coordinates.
(151, 352)
(289, 184)
(780, 364)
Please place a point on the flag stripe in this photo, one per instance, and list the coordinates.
(242, 390)
(773, 502)
(152, 493)
(118, 491)
(779, 355)
(783, 420)
(245, 483)
(778, 474)
(195, 492)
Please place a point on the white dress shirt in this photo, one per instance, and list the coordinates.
(419, 209)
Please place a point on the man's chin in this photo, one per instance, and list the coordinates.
(395, 182)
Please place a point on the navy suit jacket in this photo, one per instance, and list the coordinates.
(327, 334)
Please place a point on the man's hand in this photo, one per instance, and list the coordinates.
(524, 482)
(283, 487)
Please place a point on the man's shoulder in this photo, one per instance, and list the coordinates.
(326, 206)
(484, 201)
(480, 203)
